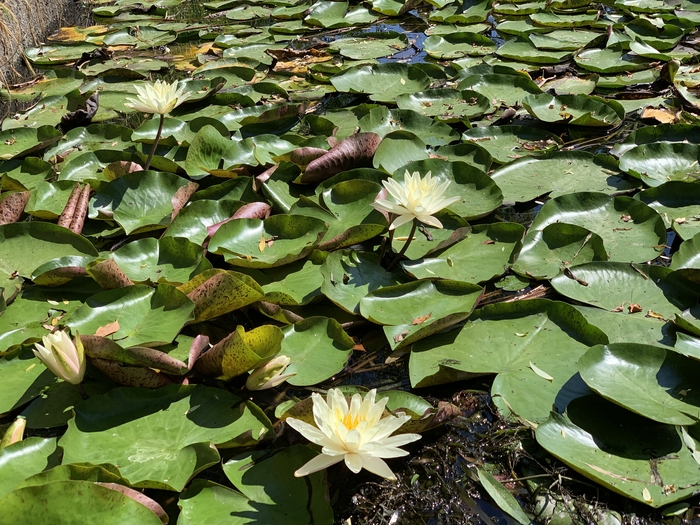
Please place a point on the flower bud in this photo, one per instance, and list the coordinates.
(270, 374)
(63, 357)
(14, 433)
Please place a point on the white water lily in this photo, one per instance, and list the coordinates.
(417, 198)
(159, 98)
(65, 358)
(270, 374)
(357, 434)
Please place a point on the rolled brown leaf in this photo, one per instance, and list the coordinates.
(355, 151)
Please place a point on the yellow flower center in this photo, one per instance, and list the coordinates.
(351, 420)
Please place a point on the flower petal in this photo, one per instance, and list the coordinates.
(320, 462)
(354, 462)
(378, 467)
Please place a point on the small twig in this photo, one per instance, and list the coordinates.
(155, 142)
(405, 247)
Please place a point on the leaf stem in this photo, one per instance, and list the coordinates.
(155, 142)
(405, 246)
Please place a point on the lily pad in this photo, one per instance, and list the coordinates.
(506, 143)
(501, 89)
(160, 438)
(648, 380)
(678, 204)
(171, 260)
(318, 348)
(269, 492)
(382, 82)
(578, 110)
(613, 285)
(279, 240)
(139, 201)
(637, 453)
(349, 275)
(558, 173)
(629, 232)
(22, 460)
(446, 105)
(145, 316)
(415, 310)
(660, 162)
(505, 339)
(483, 254)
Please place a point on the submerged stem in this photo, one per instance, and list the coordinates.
(405, 246)
(155, 142)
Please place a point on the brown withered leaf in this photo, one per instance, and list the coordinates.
(108, 329)
(634, 308)
(421, 319)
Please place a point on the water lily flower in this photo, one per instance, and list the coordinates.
(159, 98)
(270, 374)
(63, 357)
(357, 434)
(417, 198)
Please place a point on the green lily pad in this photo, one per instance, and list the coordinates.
(677, 203)
(523, 50)
(53, 55)
(21, 174)
(629, 232)
(610, 61)
(578, 110)
(24, 378)
(637, 452)
(21, 141)
(415, 310)
(623, 326)
(48, 199)
(54, 407)
(28, 245)
(612, 285)
(506, 143)
(269, 492)
(483, 254)
(397, 148)
(22, 460)
(456, 45)
(446, 105)
(507, 339)
(170, 260)
(688, 254)
(382, 82)
(383, 121)
(563, 40)
(558, 246)
(139, 201)
(279, 240)
(558, 173)
(501, 89)
(349, 275)
(160, 438)
(660, 162)
(629, 374)
(370, 45)
(90, 166)
(318, 348)
(146, 316)
(349, 215)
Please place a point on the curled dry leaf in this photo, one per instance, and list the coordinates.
(355, 151)
(12, 205)
(182, 195)
(73, 215)
(199, 345)
(108, 329)
(103, 348)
